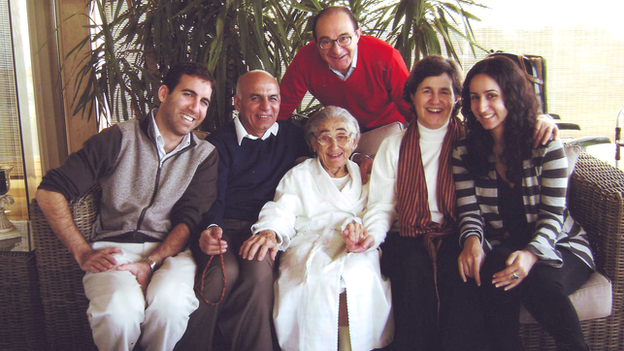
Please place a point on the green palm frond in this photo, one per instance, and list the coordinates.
(136, 41)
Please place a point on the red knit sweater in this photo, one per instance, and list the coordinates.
(372, 94)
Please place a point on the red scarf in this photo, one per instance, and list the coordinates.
(413, 198)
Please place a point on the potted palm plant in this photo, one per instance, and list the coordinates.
(133, 42)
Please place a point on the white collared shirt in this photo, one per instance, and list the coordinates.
(241, 132)
(351, 69)
(160, 141)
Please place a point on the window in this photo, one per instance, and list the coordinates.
(583, 45)
(18, 139)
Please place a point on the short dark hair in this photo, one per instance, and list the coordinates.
(189, 68)
(433, 66)
(330, 10)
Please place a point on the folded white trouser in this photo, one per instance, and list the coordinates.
(119, 312)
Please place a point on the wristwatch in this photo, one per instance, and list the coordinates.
(150, 262)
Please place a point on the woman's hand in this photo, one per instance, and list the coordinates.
(471, 259)
(356, 237)
(519, 265)
(261, 243)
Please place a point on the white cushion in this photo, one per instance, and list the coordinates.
(592, 300)
(370, 141)
(572, 154)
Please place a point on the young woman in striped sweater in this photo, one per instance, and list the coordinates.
(519, 242)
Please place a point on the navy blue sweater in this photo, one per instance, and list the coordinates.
(249, 173)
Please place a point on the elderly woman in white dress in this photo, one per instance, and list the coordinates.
(328, 275)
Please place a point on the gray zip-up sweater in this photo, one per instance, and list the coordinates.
(141, 199)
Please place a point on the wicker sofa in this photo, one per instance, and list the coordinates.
(596, 200)
(60, 278)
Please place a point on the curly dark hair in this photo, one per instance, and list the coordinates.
(432, 66)
(522, 109)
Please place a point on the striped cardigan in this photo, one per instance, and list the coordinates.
(544, 184)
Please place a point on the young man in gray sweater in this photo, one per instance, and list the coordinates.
(157, 178)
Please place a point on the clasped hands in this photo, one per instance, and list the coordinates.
(356, 237)
(259, 245)
(265, 242)
(519, 264)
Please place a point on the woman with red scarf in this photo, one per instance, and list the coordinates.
(412, 198)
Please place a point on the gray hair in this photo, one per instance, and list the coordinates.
(327, 113)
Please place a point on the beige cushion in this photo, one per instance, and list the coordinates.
(592, 300)
(370, 141)
(572, 153)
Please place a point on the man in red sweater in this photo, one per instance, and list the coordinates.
(341, 67)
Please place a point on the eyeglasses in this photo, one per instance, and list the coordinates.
(341, 139)
(342, 41)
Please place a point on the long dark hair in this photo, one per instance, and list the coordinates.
(522, 108)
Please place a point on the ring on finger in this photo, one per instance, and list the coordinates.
(515, 276)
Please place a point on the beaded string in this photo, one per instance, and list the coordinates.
(201, 291)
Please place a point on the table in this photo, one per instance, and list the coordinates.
(21, 310)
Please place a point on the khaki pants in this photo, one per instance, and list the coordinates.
(245, 316)
(119, 312)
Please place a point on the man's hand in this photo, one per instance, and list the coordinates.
(97, 261)
(210, 241)
(261, 243)
(519, 264)
(59, 217)
(356, 238)
(141, 271)
(471, 259)
(545, 129)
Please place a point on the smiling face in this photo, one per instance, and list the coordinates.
(486, 103)
(182, 109)
(257, 101)
(333, 156)
(332, 26)
(434, 100)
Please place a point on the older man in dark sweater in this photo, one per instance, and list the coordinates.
(255, 152)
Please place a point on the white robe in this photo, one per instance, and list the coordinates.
(308, 215)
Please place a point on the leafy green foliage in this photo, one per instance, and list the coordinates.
(134, 42)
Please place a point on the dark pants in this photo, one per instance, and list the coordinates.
(544, 293)
(462, 325)
(415, 303)
(244, 318)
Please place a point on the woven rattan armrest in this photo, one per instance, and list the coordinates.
(85, 209)
(596, 201)
(60, 277)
